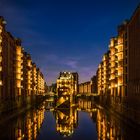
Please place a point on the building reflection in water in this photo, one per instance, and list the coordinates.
(28, 126)
(67, 118)
(87, 105)
(66, 121)
(111, 127)
(107, 128)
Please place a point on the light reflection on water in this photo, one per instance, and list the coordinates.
(84, 121)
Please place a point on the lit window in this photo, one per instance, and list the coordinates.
(0, 82)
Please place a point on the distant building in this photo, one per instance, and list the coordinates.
(85, 87)
(89, 86)
(67, 88)
(68, 82)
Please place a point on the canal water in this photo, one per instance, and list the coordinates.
(82, 121)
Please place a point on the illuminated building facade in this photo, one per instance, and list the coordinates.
(103, 74)
(40, 83)
(10, 67)
(34, 78)
(112, 71)
(18, 74)
(7, 56)
(68, 82)
(19, 67)
(99, 80)
(89, 86)
(27, 74)
(118, 74)
(66, 114)
(67, 87)
(85, 87)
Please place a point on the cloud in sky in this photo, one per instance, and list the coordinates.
(52, 64)
(72, 64)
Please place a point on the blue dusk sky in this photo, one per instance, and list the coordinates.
(66, 35)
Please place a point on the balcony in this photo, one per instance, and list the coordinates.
(18, 76)
(120, 74)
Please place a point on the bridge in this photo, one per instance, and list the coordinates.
(50, 94)
(65, 99)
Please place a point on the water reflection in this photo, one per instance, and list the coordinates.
(82, 120)
(111, 127)
(25, 126)
(66, 121)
